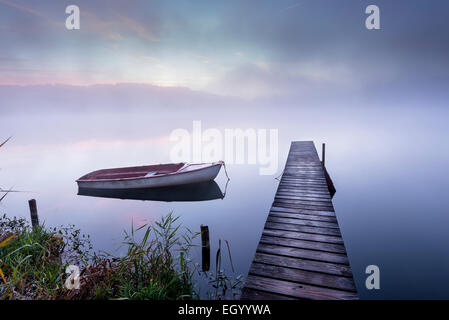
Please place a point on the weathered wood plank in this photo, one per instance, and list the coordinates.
(303, 253)
(302, 206)
(304, 211)
(304, 244)
(308, 265)
(303, 195)
(305, 190)
(325, 203)
(304, 168)
(303, 181)
(303, 222)
(250, 294)
(308, 190)
(300, 235)
(302, 216)
(294, 175)
(302, 276)
(304, 229)
(304, 187)
(297, 290)
(306, 179)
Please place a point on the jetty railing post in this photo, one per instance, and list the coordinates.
(33, 213)
(205, 244)
(323, 155)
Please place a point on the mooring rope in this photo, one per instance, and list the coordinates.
(224, 166)
(226, 189)
(277, 178)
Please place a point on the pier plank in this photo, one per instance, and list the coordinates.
(302, 206)
(304, 244)
(303, 253)
(309, 223)
(301, 216)
(302, 276)
(304, 211)
(309, 265)
(297, 290)
(301, 235)
(304, 229)
(250, 294)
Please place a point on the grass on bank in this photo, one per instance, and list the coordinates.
(33, 263)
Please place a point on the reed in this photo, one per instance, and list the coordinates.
(34, 259)
(224, 286)
(156, 266)
(157, 263)
(5, 192)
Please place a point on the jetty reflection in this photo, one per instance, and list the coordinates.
(203, 191)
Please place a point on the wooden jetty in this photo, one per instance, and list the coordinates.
(301, 254)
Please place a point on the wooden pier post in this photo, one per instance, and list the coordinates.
(323, 155)
(33, 213)
(205, 245)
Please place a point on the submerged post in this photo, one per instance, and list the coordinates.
(205, 245)
(323, 155)
(33, 213)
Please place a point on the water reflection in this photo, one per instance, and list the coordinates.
(203, 191)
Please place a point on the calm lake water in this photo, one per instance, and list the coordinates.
(389, 168)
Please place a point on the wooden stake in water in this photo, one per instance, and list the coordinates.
(205, 245)
(33, 212)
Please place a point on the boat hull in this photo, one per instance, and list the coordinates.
(194, 176)
(203, 191)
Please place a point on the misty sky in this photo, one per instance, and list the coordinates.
(248, 49)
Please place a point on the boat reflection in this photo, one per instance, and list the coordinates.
(203, 191)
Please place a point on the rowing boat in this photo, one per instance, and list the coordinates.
(153, 176)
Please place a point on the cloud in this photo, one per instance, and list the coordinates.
(115, 26)
(137, 27)
(30, 10)
(293, 6)
(24, 8)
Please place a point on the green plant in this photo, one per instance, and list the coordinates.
(34, 259)
(156, 266)
(224, 286)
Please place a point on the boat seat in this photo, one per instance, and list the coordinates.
(151, 173)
